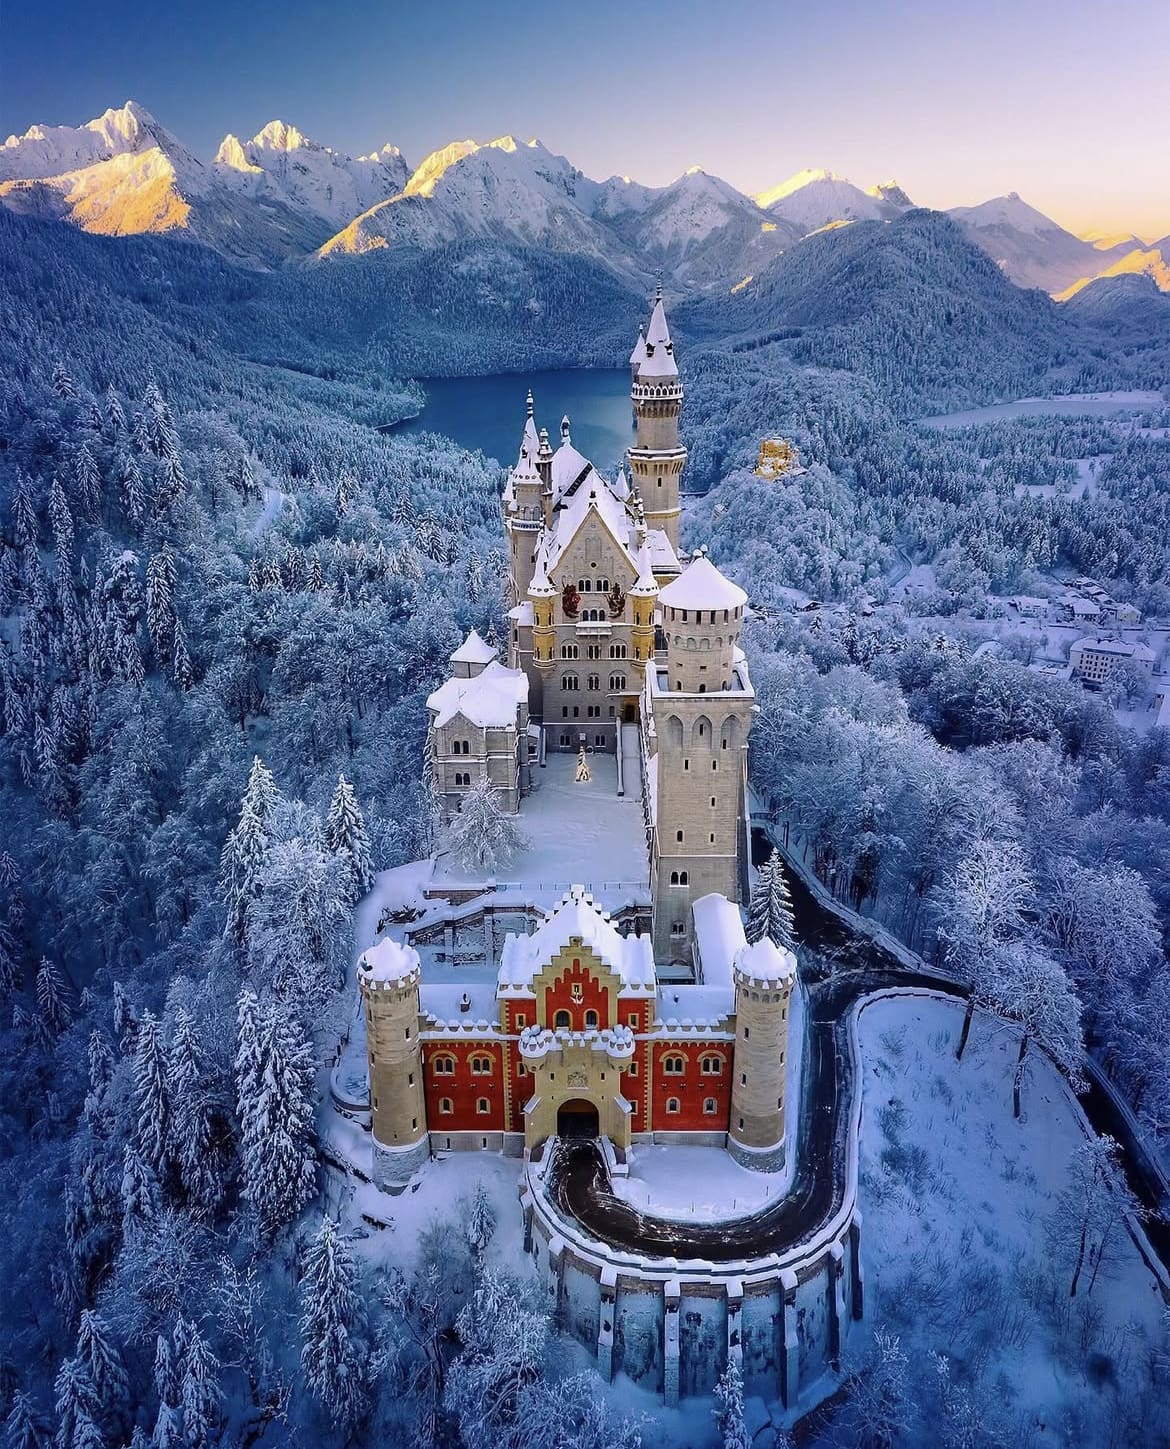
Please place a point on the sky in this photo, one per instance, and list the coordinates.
(1062, 102)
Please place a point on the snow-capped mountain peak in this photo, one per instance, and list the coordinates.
(814, 199)
(45, 151)
(891, 192)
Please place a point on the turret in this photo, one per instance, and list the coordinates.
(643, 597)
(638, 356)
(657, 458)
(388, 977)
(472, 657)
(702, 617)
(543, 594)
(764, 976)
(544, 459)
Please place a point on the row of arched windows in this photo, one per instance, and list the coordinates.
(710, 1106)
(572, 651)
(462, 777)
(570, 683)
(563, 1021)
(482, 1106)
(710, 1066)
(444, 1066)
(679, 878)
(593, 586)
(461, 747)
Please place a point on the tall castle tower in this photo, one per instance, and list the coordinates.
(523, 505)
(702, 703)
(764, 975)
(658, 457)
(388, 977)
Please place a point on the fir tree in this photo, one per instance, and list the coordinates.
(278, 1160)
(333, 1328)
(243, 854)
(89, 481)
(74, 1400)
(729, 1417)
(770, 913)
(61, 522)
(345, 834)
(481, 1221)
(181, 659)
(23, 1428)
(24, 513)
(151, 1098)
(53, 1005)
(133, 490)
(199, 1394)
(141, 1198)
(192, 1117)
(99, 1354)
(115, 416)
(160, 599)
(482, 836)
(63, 384)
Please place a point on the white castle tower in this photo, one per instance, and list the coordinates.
(658, 457)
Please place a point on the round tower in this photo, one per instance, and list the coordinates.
(643, 597)
(543, 594)
(388, 977)
(702, 618)
(764, 975)
(657, 458)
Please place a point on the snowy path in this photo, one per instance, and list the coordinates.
(274, 501)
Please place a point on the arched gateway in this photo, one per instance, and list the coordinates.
(577, 1118)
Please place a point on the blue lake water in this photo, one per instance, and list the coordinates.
(488, 412)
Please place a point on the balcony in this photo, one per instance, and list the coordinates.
(594, 628)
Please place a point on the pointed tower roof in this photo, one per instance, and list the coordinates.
(702, 586)
(530, 441)
(646, 585)
(473, 650)
(659, 360)
(638, 356)
(541, 585)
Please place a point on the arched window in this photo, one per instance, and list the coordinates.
(483, 1106)
(562, 1020)
(590, 1018)
(710, 1106)
(445, 1106)
(674, 1066)
(617, 651)
(603, 586)
(568, 651)
(462, 747)
(443, 1066)
(481, 1066)
(594, 682)
(569, 682)
(584, 586)
(672, 1105)
(682, 878)
(617, 681)
(674, 877)
(712, 1066)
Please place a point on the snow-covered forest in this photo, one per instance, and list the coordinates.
(224, 598)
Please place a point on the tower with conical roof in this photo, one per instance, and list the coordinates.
(700, 705)
(658, 457)
(523, 507)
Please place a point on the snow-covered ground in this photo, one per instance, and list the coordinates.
(1076, 404)
(695, 1184)
(576, 834)
(955, 1196)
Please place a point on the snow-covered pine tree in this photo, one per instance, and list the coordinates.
(770, 913)
(151, 1098)
(729, 1416)
(199, 1392)
(181, 659)
(89, 482)
(23, 1428)
(63, 384)
(482, 836)
(191, 1119)
(278, 1160)
(160, 599)
(480, 1221)
(99, 1353)
(61, 522)
(243, 852)
(141, 1198)
(345, 834)
(166, 1372)
(115, 416)
(73, 1400)
(133, 488)
(333, 1324)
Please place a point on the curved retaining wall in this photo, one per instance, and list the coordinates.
(671, 1324)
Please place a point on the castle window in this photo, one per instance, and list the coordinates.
(714, 764)
(725, 616)
(711, 838)
(590, 1018)
(444, 1066)
(678, 929)
(743, 1079)
(712, 1066)
(672, 1105)
(483, 1106)
(521, 1019)
(747, 1031)
(578, 988)
(710, 1106)
(594, 651)
(674, 1066)
(703, 687)
(686, 764)
(632, 1020)
(462, 747)
(617, 651)
(712, 802)
(600, 739)
(633, 1069)
(617, 681)
(584, 586)
(569, 682)
(564, 737)
(593, 711)
(576, 712)
(603, 586)
(481, 1066)
(445, 1106)
(594, 682)
(568, 651)
(678, 835)
(562, 1021)
(702, 729)
(684, 616)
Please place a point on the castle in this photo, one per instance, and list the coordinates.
(595, 1028)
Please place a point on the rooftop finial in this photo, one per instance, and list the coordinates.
(658, 292)
(530, 408)
(565, 428)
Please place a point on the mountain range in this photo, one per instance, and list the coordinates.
(281, 197)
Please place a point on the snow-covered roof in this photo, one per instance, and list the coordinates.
(596, 496)
(473, 650)
(387, 963)
(659, 359)
(577, 914)
(569, 467)
(719, 936)
(460, 1005)
(638, 356)
(766, 962)
(702, 586)
(663, 558)
(1119, 647)
(521, 615)
(541, 585)
(490, 699)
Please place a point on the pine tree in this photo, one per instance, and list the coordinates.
(151, 1098)
(243, 854)
(345, 834)
(89, 481)
(141, 1198)
(52, 999)
(133, 490)
(24, 513)
(481, 1221)
(115, 416)
(729, 1415)
(99, 1354)
(770, 913)
(181, 659)
(63, 384)
(61, 521)
(278, 1159)
(191, 1117)
(199, 1394)
(23, 1428)
(74, 1400)
(332, 1328)
(160, 599)
(160, 430)
(166, 1372)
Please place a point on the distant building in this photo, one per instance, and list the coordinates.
(1094, 659)
(1029, 606)
(778, 458)
(1078, 610)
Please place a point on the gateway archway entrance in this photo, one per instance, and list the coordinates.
(577, 1119)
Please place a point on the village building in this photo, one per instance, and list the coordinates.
(1093, 660)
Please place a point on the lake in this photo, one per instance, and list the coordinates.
(488, 412)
